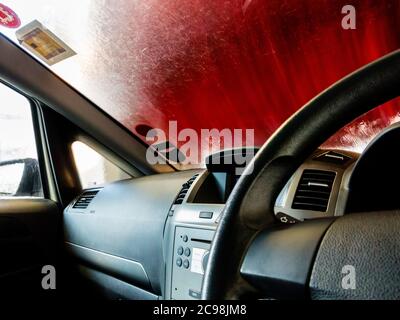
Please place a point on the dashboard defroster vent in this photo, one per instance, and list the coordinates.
(314, 190)
(185, 188)
(333, 157)
(84, 199)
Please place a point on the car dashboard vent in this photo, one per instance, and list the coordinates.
(314, 190)
(185, 188)
(333, 157)
(84, 199)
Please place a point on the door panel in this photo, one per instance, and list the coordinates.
(28, 241)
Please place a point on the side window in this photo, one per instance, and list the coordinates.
(93, 169)
(19, 166)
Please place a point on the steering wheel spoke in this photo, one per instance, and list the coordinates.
(280, 258)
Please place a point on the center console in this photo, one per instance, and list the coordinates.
(189, 231)
(192, 222)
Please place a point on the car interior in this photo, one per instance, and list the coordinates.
(281, 225)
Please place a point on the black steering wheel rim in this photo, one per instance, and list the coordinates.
(249, 208)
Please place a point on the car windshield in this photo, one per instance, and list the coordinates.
(243, 66)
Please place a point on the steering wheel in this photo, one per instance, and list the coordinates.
(351, 257)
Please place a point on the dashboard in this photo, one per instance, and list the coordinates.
(149, 237)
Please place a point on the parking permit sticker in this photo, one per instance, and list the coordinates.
(8, 18)
(197, 260)
(44, 44)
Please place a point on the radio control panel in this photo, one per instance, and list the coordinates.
(191, 251)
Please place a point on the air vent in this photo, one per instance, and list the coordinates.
(185, 189)
(333, 157)
(314, 190)
(84, 199)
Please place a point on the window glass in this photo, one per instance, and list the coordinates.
(19, 166)
(94, 170)
(356, 135)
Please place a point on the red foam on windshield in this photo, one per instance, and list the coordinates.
(251, 64)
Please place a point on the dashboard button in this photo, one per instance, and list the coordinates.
(206, 215)
(194, 294)
(180, 251)
(185, 238)
(179, 262)
(186, 264)
(187, 252)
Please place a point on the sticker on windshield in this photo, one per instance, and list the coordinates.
(8, 18)
(43, 43)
